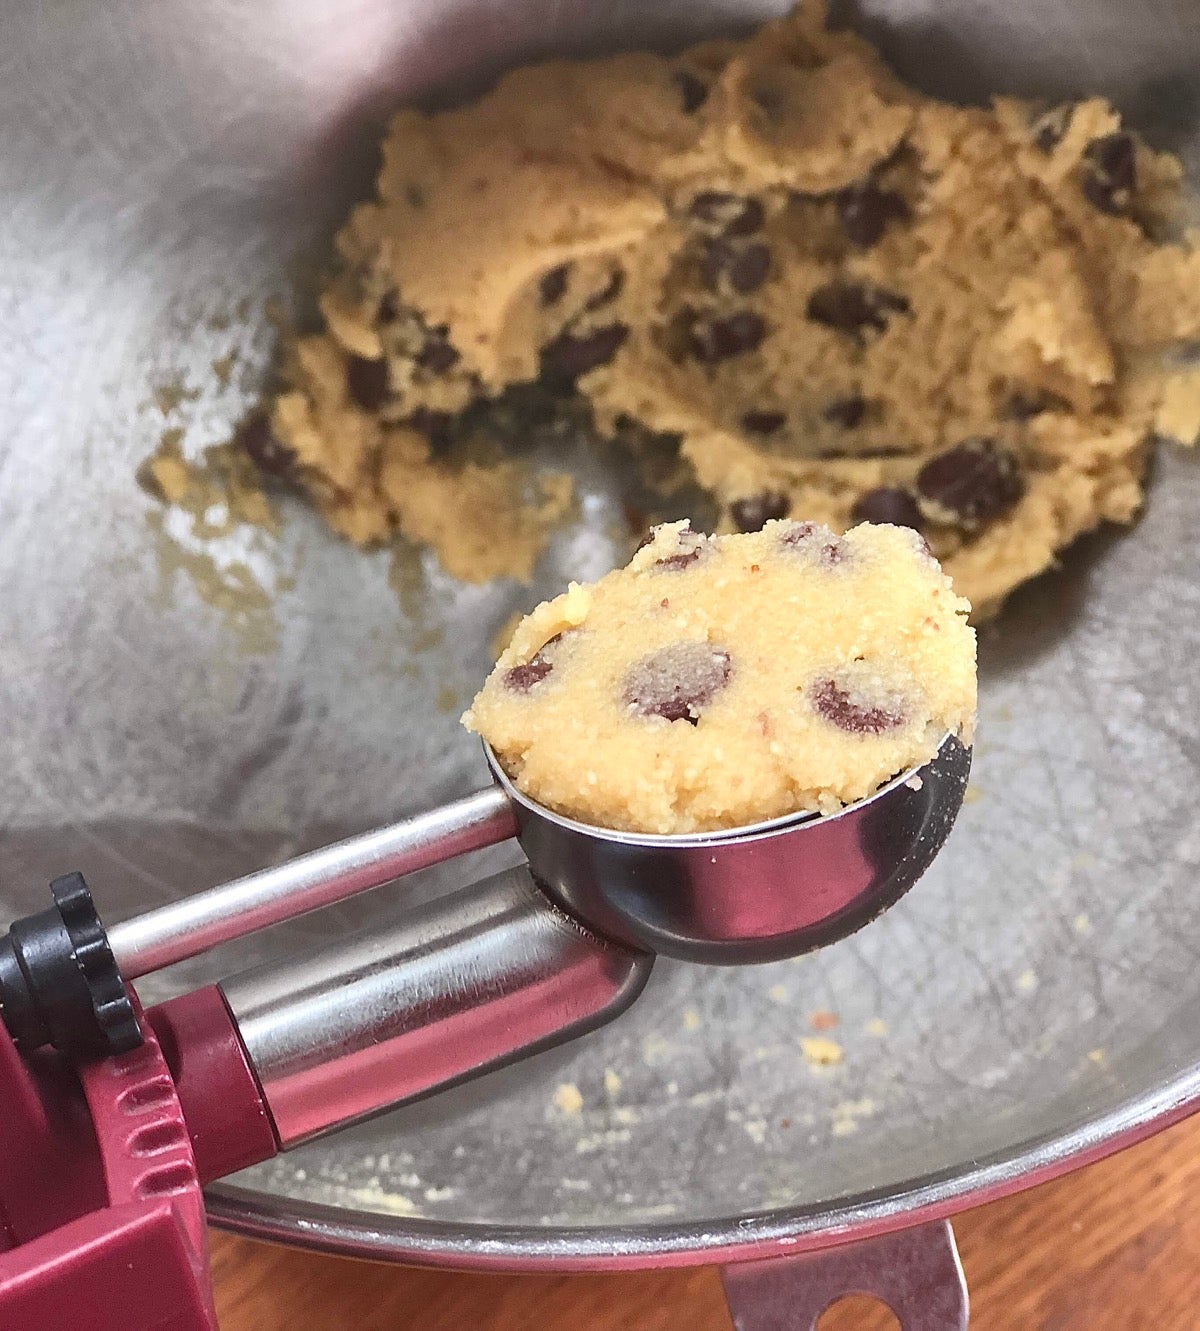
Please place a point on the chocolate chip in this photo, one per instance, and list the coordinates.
(1048, 130)
(415, 195)
(1046, 138)
(715, 262)
(850, 711)
(730, 214)
(847, 412)
(570, 355)
(553, 284)
(748, 221)
(437, 355)
(749, 269)
(693, 545)
(888, 504)
(767, 99)
(608, 292)
(1023, 405)
(436, 426)
(864, 211)
(799, 532)
(713, 340)
(754, 513)
(677, 682)
(742, 267)
(879, 451)
(763, 422)
(681, 560)
(1111, 173)
(693, 90)
(852, 307)
(522, 678)
(1116, 157)
(523, 416)
(974, 481)
(389, 307)
(255, 439)
(1100, 194)
(884, 450)
(815, 539)
(367, 382)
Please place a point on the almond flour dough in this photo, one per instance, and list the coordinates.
(719, 681)
(827, 293)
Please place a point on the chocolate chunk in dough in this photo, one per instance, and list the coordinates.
(972, 483)
(855, 307)
(676, 683)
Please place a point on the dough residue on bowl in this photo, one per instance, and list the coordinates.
(772, 267)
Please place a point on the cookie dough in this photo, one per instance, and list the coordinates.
(828, 294)
(719, 681)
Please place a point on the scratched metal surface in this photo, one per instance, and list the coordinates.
(177, 711)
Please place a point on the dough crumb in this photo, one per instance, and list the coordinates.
(846, 1116)
(568, 1099)
(819, 1051)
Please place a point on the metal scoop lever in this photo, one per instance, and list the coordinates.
(198, 923)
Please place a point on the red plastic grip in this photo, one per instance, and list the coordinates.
(227, 1118)
(114, 1237)
(49, 1162)
(124, 1268)
(101, 1218)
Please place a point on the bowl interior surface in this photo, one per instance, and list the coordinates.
(181, 710)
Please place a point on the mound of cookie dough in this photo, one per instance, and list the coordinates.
(827, 293)
(719, 681)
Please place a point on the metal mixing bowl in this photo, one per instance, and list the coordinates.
(178, 711)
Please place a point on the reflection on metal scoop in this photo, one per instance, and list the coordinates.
(521, 961)
(739, 895)
(747, 894)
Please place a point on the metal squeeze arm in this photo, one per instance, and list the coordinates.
(470, 981)
(195, 924)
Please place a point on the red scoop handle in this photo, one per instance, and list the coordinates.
(101, 1215)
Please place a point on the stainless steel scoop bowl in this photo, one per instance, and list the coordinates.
(750, 894)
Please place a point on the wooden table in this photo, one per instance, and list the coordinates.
(1112, 1248)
